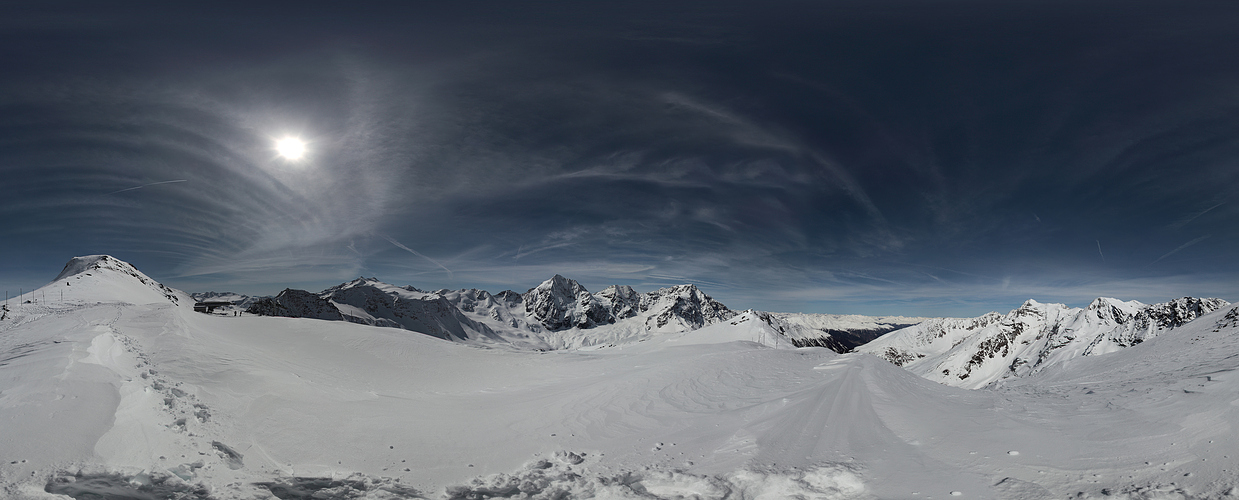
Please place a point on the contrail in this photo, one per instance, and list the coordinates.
(151, 184)
(1192, 218)
(414, 252)
(1103, 256)
(1185, 245)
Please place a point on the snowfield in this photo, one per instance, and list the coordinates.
(120, 390)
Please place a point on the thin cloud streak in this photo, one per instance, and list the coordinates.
(415, 252)
(147, 185)
(1181, 247)
(1187, 221)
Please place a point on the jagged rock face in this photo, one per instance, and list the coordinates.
(1111, 310)
(682, 307)
(1177, 312)
(620, 301)
(1229, 320)
(1147, 322)
(508, 297)
(560, 303)
(292, 303)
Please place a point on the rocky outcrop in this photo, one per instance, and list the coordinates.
(292, 303)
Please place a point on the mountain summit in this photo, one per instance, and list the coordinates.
(560, 303)
(103, 278)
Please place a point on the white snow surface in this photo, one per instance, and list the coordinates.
(142, 397)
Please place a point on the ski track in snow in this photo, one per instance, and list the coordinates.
(128, 393)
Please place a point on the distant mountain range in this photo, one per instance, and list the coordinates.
(559, 313)
(238, 301)
(982, 351)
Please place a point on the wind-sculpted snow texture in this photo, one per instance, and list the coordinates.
(981, 351)
(137, 397)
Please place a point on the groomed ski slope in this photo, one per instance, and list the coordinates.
(137, 392)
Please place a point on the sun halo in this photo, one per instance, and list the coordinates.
(291, 148)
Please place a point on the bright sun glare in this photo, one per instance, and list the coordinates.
(290, 148)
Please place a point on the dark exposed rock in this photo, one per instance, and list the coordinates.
(294, 303)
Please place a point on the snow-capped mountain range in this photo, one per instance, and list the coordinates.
(978, 352)
(559, 313)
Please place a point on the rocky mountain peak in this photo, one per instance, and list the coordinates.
(621, 301)
(560, 286)
(561, 303)
(1114, 310)
(683, 307)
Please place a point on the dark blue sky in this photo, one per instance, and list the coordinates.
(873, 157)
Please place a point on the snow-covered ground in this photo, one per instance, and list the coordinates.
(121, 390)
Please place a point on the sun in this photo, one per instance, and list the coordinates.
(290, 148)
